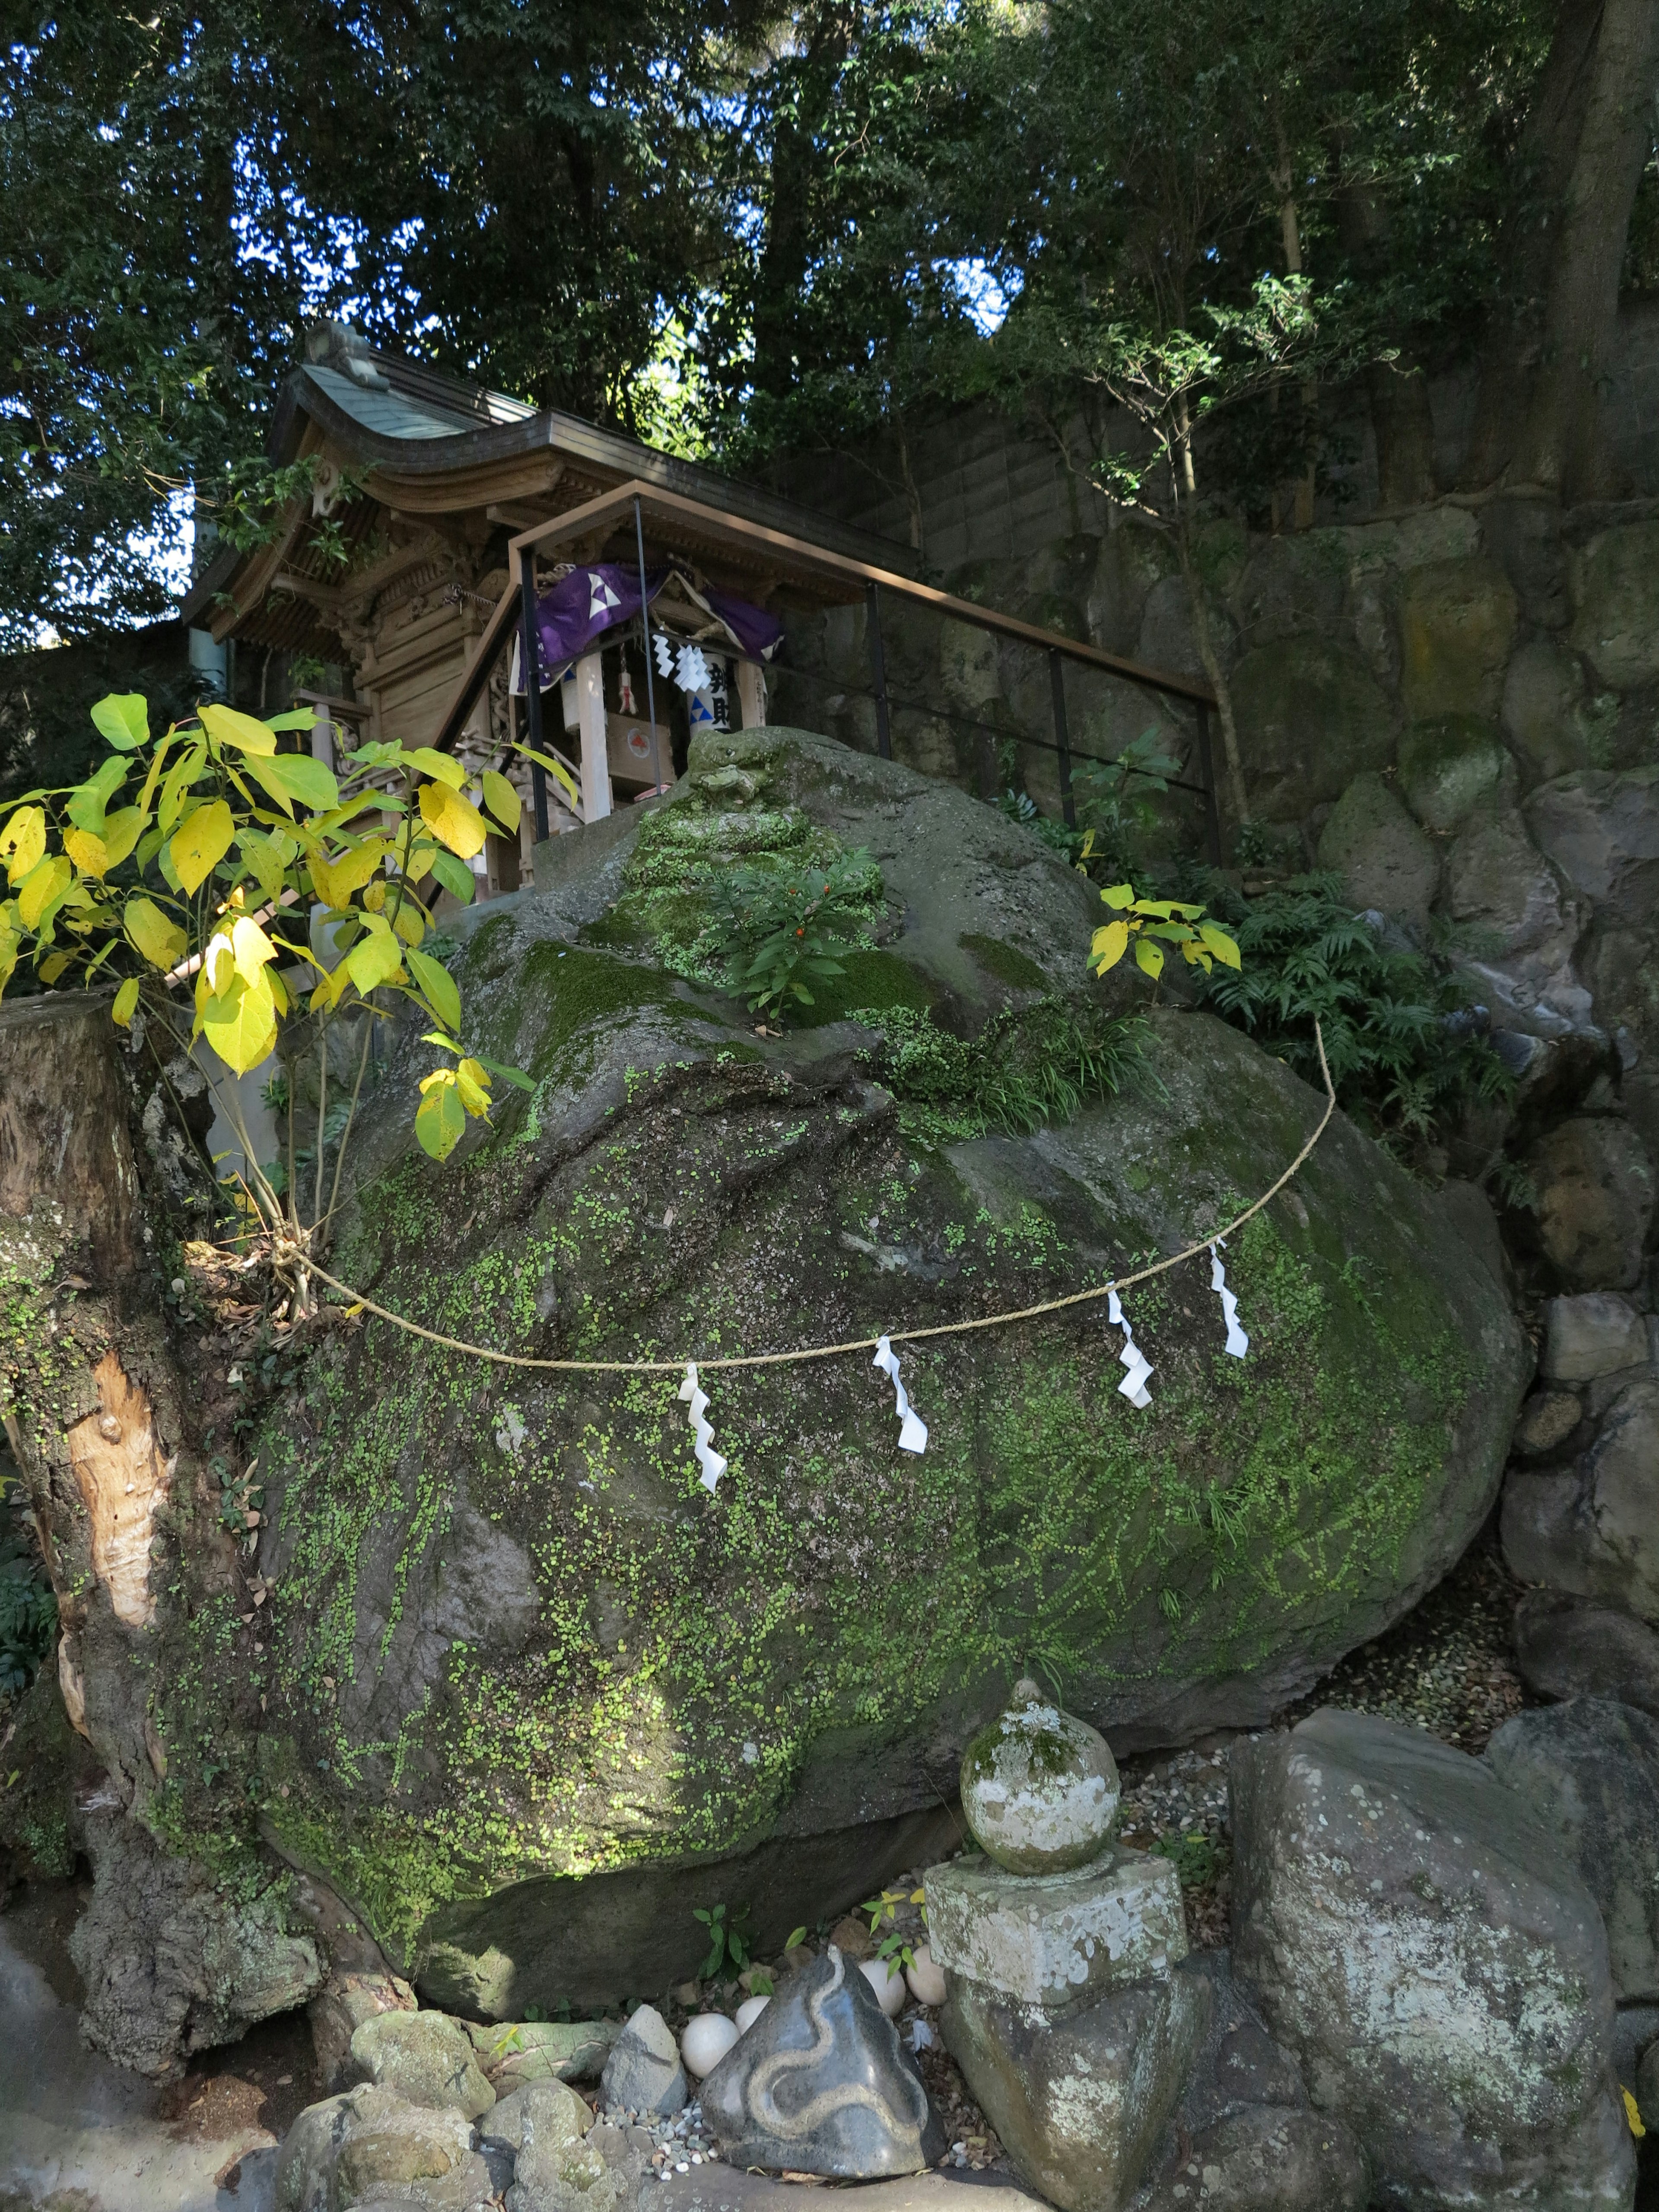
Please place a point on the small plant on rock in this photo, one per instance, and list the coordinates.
(780, 930)
(728, 1939)
(188, 869)
(1151, 924)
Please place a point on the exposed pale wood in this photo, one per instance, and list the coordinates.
(122, 1481)
(751, 694)
(591, 723)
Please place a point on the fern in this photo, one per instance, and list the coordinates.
(1406, 1053)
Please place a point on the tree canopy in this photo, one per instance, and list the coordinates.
(737, 227)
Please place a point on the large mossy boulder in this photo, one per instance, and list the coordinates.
(532, 1691)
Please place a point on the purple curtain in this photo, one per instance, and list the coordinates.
(588, 602)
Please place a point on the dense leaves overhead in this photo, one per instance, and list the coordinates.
(735, 227)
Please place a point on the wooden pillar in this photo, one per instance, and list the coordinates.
(590, 724)
(751, 694)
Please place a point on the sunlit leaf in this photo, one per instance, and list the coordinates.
(263, 857)
(227, 728)
(1108, 948)
(1224, 948)
(23, 841)
(179, 777)
(447, 769)
(453, 819)
(159, 940)
(123, 719)
(43, 887)
(126, 1001)
(472, 1081)
(201, 843)
(289, 776)
(242, 1025)
(1151, 957)
(376, 958)
(1120, 896)
(89, 853)
(335, 881)
(296, 718)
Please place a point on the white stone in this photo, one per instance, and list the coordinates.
(926, 1979)
(889, 1989)
(750, 2011)
(705, 2041)
(1057, 1940)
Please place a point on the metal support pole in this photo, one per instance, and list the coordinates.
(645, 631)
(1062, 736)
(1206, 764)
(878, 674)
(530, 659)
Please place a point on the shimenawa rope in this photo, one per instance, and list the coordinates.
(293, 1253)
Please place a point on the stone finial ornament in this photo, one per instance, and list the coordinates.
(1039, 1787)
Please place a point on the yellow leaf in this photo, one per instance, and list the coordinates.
(1633, 2113)
(1109, 945)
(377, 957)
(329, 992)
(89, 853)
(241, 1026)
(455, 821)
(226, 727)
(126, 1000)
(472, 1081)
(201, 843)
(160, 941)
(439, 1119)
(52, 968)
(334, 881)
(179, 777)
(45, 883)
(23, 841)
(1121, 895)
(218, 969)
(252, 948)
(1150, 956)
(502, 801)
(1223, 947)
(408, 922)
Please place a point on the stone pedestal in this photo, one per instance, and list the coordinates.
(1057, 1941)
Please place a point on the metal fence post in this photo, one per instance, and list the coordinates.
(1207, 762)
(531, 660)
(878, 673)
(1062, 736)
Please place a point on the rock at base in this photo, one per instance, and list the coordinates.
(1264, 2159)
(643, 2073)
(339, 2009)
(542, 2113)
(1057, 1940)
(821, 2084)
(1595, 1200)
(1414, 1937)
(600, 2172)
(513, 2052)
(1593, 1530)
(1080, 2103)
(1569, 1648)
(367, 2144)
(1589, 1773)
(425, 2057)
(1595, 1334)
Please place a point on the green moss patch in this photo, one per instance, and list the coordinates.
(1005, 961)
(873, 980)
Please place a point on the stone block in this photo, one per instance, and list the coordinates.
(1080, 2105)
(1384, 860)
(1057, 1941)
(1615, 622)
(1457, 622)
(1596, 1201)
(1543, 711)
(1447, 768)
(1592, 1334)
(1311, 716)
(1567, 1648)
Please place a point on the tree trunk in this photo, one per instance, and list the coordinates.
(1550, 343)
(102, 1423)
(1397, 390)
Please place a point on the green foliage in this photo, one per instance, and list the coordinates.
(28, 1611)
(1196, 1857)
(893, 1950)
(1151, 924)
(1405, 1053)
(728, 1939)
(782, 930)
(1037, 1064)
(1116, 803)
